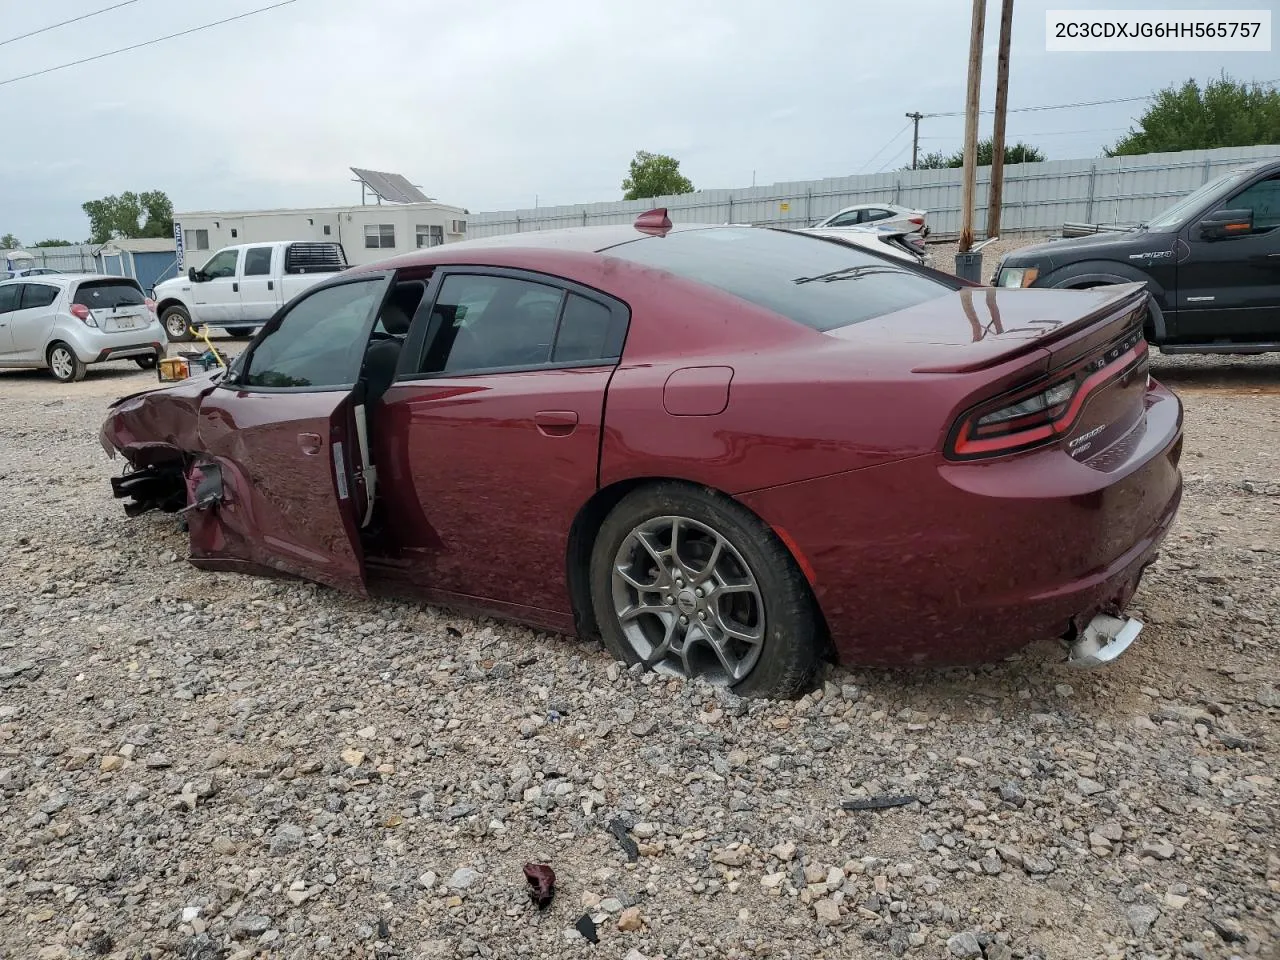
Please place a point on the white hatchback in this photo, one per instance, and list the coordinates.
(67, 321)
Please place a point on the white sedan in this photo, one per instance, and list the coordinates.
(880, 214)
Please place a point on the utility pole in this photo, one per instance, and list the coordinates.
(972, 102)
(915, 136)
(1002, 108)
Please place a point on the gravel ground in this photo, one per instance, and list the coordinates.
(207, 766)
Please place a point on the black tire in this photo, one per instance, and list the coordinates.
(147, 363)
(65, 366)
(791, 649)
(240, 331)
(177, 325)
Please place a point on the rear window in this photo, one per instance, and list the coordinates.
(314, 258)
(99, 294)
(819, 283)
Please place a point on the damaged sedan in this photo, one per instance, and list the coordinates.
(729, 452)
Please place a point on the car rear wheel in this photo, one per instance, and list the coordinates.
(146, 363)
(239, 331)
(65, 366)
(690, 583)
(177, 325)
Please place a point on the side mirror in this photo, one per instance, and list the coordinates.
(1224, 224)
(192, 275)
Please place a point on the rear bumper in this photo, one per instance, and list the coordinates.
(929, 562)
(128, 351)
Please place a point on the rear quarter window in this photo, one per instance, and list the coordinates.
(105, 294)
(819, 283)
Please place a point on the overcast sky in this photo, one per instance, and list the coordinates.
(490, 103)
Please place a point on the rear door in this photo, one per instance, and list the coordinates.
(1229, 289)
(217, 294)
(32, 323)
(283, 435)
(489, 442)
(259, 291)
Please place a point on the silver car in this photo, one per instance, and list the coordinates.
(880, 214)
(67, 321)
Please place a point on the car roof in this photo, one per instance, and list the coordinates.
(67, 279)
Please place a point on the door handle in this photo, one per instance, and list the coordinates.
(310, 443)
(556, 423)
(235, 288)
(271, 284)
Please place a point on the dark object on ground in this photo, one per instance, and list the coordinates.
(882, 802)
(542, 883)
(587, 927)
(619, 830)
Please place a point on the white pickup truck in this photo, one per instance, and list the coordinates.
(240, 288)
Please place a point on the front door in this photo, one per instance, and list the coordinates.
(259, 290)
(217, 292)
(284, 434)
(1229, 289)
(488, 445)
(10, 293)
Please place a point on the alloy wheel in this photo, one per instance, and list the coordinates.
(62, 363)
(687, 601)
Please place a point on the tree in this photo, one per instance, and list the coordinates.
(1016, 153)
(654, 175)
(9, 242)
(54, 243)
(1223, 114)
(115, 217)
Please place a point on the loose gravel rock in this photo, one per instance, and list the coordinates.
(207, 766)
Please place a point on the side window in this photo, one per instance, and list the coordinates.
(484, 322)
(318, 342)
(37, 295)
(1263, 198)
(222, 264)
(9, 297)
(845, 219)
(380, 235)
(871, 216)
(257, 262)
(196, 239)
(589, 331)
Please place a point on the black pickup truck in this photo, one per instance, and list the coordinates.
(1211, 262)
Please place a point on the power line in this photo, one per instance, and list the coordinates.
(905, 128)
(1067, 106)
(146, 43)
(55, 26)
(895, 158)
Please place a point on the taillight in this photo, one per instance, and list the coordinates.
(1040, 414)
(84, 314)
(151, 304)
(916, 220)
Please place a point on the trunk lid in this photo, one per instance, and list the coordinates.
(977, 328)
(116, 304)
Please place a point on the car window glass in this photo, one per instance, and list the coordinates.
(37, 295)
(1263, 198)
(96, 294)
(588, 331)
(221, 264)
(846, 219)
(483, 322)
(319, 343)
(877, 214)
(9, 297)
(257, 262)
(813, 281)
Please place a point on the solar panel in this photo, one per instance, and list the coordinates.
(391, 187)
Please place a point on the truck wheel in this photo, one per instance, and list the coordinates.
(240, 331)
(177, 325)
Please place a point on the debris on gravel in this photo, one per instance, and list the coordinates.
(207, 766)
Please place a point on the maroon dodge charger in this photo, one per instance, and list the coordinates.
(730, 452)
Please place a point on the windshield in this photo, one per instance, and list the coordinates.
(1173, 216)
